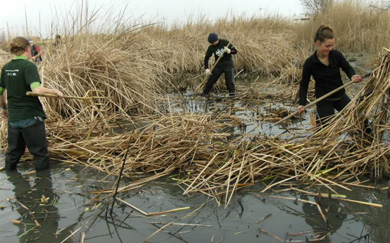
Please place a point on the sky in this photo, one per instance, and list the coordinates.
(41, 14)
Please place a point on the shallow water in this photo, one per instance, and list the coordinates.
(66, 210)
(248, 212)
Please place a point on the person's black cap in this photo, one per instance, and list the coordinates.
(213, 37)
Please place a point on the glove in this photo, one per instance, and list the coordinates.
(226, 50)
(208, 72)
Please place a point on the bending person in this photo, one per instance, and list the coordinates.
(324, 65)
(220, 47)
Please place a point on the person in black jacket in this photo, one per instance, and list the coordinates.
(324, 65)
(225, 65)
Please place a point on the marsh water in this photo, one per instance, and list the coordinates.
(57, 206)
(250, 217)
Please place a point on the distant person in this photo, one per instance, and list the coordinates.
(324, 65)
(36, 52)
(220, 47)
(26, 118)
(58, 41)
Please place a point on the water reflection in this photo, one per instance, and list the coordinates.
(36, 205)
(377, 220)
(333, 212)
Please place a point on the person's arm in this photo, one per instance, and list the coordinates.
(304, 86)
(3, 101)
(38, 88)
(348, 69)
(209, 53)
(2, 98)
(233, 50)
(2, 94)
(345, 66)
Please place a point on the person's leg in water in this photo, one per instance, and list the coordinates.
(16, 148)
(35, 137)
(342, 103)
(229, 79)
(212, 80)
(325, 109)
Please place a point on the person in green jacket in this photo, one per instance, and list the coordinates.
(25, 114)
(220, 47)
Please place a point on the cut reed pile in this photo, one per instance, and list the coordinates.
(206, 161)
(191, 145)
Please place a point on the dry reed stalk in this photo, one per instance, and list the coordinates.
(183, 224)
(157, 231)
(271, 235)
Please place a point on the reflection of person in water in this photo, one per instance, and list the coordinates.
(333, 212)
(35, 205)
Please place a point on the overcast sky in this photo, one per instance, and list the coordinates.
(40, 13)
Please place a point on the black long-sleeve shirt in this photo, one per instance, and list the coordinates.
(218, 50)
(327, 78)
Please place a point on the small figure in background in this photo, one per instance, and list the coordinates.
(58, 41)
(36, 52)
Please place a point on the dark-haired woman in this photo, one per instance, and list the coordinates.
(26, 117)
(324, 66)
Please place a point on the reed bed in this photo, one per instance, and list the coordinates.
(136, 67)
(113, 64)
(205, 160)
(360, 26)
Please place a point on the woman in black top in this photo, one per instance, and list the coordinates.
(225, 65)
(324, 65)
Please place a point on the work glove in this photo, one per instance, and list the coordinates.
(226, 50)
(208, 72)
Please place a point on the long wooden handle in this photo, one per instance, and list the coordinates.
(29, 93)
(49, 95)
(316, 101)
(321, 98)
